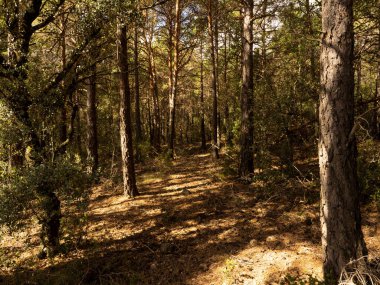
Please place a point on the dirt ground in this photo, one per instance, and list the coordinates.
(192, 224)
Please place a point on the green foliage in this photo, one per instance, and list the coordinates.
(369, 169)
(22, 195)
(309, 280)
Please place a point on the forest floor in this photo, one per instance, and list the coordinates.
(192, 224)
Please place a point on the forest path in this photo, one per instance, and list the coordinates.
(191, 225)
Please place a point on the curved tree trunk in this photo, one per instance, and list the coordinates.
(342, 238)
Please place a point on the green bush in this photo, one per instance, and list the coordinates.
(23, 197)
(297, 280)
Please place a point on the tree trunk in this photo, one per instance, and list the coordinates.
(128, 164)
(342, 238)
(156, 133)
(203, 133)
(137, 92)
(214, 87)
(92, 133)
(63, 112)
(375, 129)
(246, 99)
(173, 91)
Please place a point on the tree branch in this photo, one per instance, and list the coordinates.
(50, 18)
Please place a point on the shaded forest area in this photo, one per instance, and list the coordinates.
(189, 142)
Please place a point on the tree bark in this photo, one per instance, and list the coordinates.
(128, 165)
(203, 133)
(214, 87)
(173, 90)
(92, 132)
(342, 238)
(246, 99)
(137, 91)
(156, 126)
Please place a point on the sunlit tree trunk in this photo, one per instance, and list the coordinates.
(173, 91)
(128, 164)
(214, 87)
(137, 91)
(342, 238)
(246, 99)
(156, 126)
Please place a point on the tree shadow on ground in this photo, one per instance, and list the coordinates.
(166, 236)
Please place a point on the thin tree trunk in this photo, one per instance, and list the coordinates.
(376, 110)
(214, 87)
(92, 132)
(173, 94)
(342, 238)
(203, 133)
(63, 113)
(246, 99)
(137, 92)
(156, 135)
(128, 163)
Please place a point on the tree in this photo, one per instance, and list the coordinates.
(202, 121)
(212, 31)
(246, 99)
(137, 90)
(23, 20)
(92, 129)
(128, 164)
(342, 238)
(174, 76)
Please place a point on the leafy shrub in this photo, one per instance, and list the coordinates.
(297, 280)
(21, 202)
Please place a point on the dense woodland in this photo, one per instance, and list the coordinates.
(189, 142)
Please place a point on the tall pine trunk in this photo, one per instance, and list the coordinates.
(128, 164)
(342, 238)
(137, 91)
(203, 133)
(173, 90)
(214, 87)
(156, 130)
(246, 99)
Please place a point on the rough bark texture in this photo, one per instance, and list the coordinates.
(214, 87)
(246, 99)
(342, 238)
(128, 164)
(92, 132)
